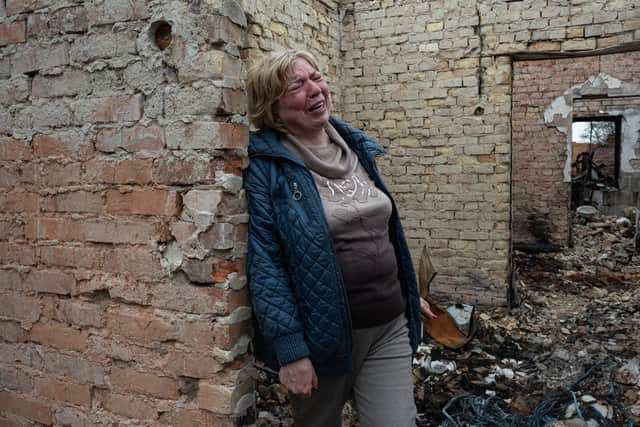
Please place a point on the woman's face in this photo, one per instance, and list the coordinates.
(304, 108)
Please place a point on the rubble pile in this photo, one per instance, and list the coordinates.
(570, 349)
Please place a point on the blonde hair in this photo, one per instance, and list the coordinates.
(267, 81)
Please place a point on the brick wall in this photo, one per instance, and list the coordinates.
(312, 25)
(122, 220)
(541, 197)
(432, 81)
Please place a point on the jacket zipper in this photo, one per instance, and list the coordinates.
(297, 194)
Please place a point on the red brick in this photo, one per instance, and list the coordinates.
(11, 229)
(139, 263)
(63, 391)
(16, 379)
(219, 236)
(54, 229)
(116, 11)
(38, 24)
(143, 202)
(65, 20)
(50, 281)
(5, 422)
(234, 166)
(18, 6)
(197, 335)
(18, 173)
(194, 417)
(10, 176)
(222, 29)
(124, 108)
(144, 383)
(12, 32)
(25, 407)
(207, 135)
(239, 298)
(241, 233)
(139, 324)
(139, 138)
(219, 399)
(76, 368)
(179, 294)
(88, 257)
(233, 101)
(136, 171)
(79, 313)
(487, 158)
(14, 149)
(199, 271)
(185, 233)
(69, 83)
(58, 336)
(69, 144)
(19, 202)
(47, 145)
(15, 253)
(232, 135)
(193, 365)
(132, 139)
(227, 335)
(20, 307)
(60, 174)
(13, 332)
(37, 58)
(74, 201)
(126, 231)
(182, 171)
(99, 231)
(130, 406)
(222, 269)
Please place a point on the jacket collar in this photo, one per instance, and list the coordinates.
(266, 142)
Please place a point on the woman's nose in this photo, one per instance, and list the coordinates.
(314, 88)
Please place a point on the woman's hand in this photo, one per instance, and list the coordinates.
(425, 308)
(299, 377)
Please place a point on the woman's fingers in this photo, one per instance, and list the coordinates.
(299, 377)
(426, 309)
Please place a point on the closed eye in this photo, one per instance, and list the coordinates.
(295, 85)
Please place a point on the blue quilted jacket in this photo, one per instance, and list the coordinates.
(298, 294)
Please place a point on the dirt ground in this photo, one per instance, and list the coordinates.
(569, 350)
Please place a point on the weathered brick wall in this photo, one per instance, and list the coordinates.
(312, 25)
(541, 197)
(122, 221)
(411, 76)
(432, 80)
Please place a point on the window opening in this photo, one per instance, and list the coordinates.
(596, 159)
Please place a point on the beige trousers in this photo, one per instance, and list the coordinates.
(381, 383)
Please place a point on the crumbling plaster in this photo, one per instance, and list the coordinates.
(560, 115)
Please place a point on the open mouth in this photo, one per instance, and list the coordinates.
(317, 107)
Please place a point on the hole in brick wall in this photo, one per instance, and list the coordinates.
(188, 387)
(99, 295)
(161, 34)
(478, 111)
